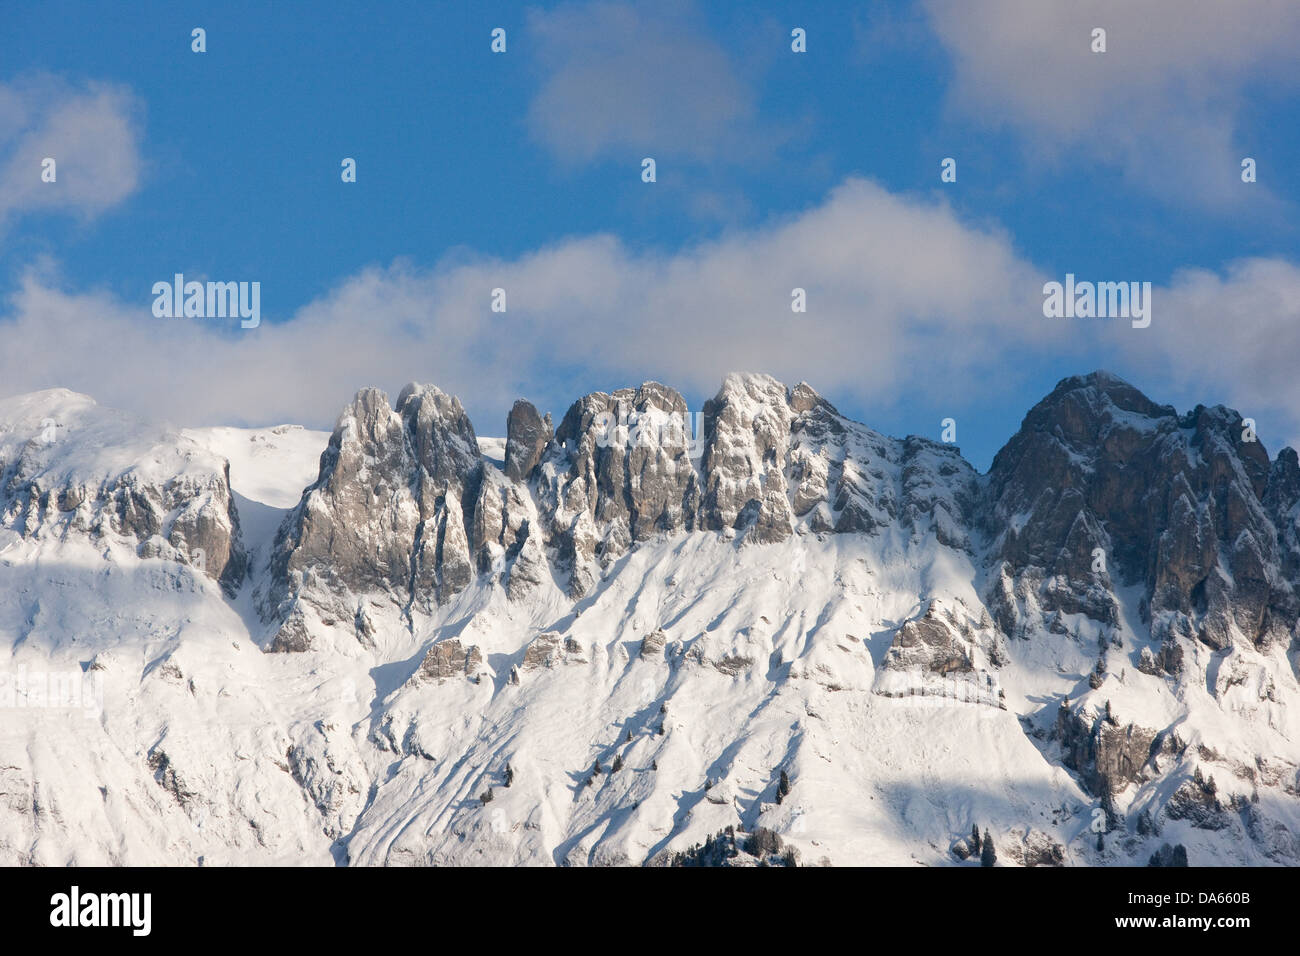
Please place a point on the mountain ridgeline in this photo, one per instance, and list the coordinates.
(614, 638)
(1100, 488)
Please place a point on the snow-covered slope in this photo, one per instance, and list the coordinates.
(433, 639)
(268, 465)
(269, 468)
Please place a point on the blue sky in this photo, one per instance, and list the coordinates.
(522, 170)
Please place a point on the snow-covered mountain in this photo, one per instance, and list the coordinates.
(606, 641)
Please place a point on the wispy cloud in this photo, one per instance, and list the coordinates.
(91, 133)
(1163, 103)
(627, 80)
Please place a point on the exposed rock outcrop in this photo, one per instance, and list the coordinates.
(618, 471)
(385, 514)
(449, 658)
(1102, 486)
(1107, 755)
(943, 653)
(527, 435)
(71, 468)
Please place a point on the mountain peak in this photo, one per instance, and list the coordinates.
(1100, 388)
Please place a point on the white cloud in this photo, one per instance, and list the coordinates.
(628, 80)
(900, 292)
(1230, 337)
(1163, 103)
(92, 135)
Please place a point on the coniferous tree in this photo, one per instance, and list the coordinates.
(1169, 856)
(763, 842)
(988, 855)
(974, 839)
(618, 763)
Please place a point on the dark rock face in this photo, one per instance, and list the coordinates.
(1042, 852)
(1108, 756)
(1101, 486)
(527, 435)
(204, 523)
(1032, 848)
(166, 776)
(441, 438)
(1197, 804)
(190, 522)
(1272, 836)
(848, 478)
(502, 533)
(843, 477)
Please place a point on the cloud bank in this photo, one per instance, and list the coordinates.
(904, 299)
(894, 285)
